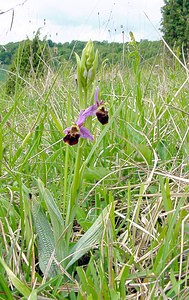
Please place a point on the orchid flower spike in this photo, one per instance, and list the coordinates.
(74, 132)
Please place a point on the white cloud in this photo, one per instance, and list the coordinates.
(68, 20)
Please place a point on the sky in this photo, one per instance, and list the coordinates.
(67, 20)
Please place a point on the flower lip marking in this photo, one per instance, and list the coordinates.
(102, 115)
(72, 135)
(77, 130)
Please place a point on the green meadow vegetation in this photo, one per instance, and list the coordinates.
(101, 219)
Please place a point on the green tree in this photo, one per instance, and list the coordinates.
(30, 62)
(175, 24)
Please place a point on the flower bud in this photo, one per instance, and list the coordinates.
(88, 55)
(87, 65)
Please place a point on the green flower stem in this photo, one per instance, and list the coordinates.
(66, 166)
(88, 61)
(76, 179)
(78, 176)
(76, 183)
(66, 180)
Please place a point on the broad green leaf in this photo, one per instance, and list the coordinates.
(56, 220)
(46, 243)
(91, 237)
(54, 211)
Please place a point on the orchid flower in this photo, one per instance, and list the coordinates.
(97, 109)
(74, 132)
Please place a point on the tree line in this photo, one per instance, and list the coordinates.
(112, 52)
(30, 59)
(174, 26)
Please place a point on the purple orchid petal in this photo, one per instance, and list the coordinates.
(96, 96)
(90, 111)
(86, 134)
(98, 103)
(74, 132)
(81, 118)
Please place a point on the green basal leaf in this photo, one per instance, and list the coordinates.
(46, 243)
(56, 220)
(91, 238)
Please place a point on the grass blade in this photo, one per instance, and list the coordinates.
(20, 286)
